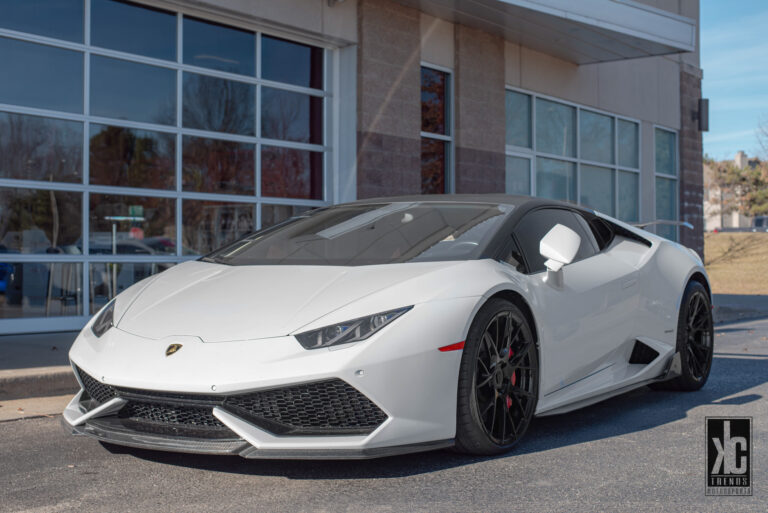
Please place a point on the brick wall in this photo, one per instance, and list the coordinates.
(479, 106)
(388, 96)
(691, 163)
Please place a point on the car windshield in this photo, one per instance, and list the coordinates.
(369, 234)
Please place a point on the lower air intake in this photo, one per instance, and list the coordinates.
(95, 389)
(328, 407)
(642, 353)
(320, 408)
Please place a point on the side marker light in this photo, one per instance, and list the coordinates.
(458, 346)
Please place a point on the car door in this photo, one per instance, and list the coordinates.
(585, 320)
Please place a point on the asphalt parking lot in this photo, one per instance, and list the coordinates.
(643, 451)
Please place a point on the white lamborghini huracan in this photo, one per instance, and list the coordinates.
(393, 325)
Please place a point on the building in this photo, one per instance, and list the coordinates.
(136, 135)
(720, 211)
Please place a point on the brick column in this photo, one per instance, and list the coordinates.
(691, 162)
(388, 99)
(480, 117)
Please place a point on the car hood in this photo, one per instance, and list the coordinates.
(219, 303)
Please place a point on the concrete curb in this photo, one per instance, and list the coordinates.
(725, 315)
(739, 307)
(37, 382)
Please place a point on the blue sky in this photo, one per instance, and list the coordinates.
(734, 56)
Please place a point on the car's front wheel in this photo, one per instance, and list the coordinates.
(695, 340)
(498, 380)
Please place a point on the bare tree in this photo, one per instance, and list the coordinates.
(743, 190)
(762, 136)
(721, 181)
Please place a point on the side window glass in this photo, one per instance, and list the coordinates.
(587, 232)
(602, 231)
(535, 225)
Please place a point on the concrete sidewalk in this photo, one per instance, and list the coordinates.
(37, 365)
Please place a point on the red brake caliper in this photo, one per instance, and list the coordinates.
(513, 379)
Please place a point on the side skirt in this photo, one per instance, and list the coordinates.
(672, 370)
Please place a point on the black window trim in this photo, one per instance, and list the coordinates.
(578, 212)
(616, 230)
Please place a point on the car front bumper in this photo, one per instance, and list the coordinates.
(399, 371)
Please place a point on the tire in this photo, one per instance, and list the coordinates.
(498, 380)
(695, 341)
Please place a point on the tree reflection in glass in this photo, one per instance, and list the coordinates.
(434, 85)
(129, 157)
(432, 166)
(40, 221)
(291, 173)
(213, 165)
(37, 148)
(290, 116)
(218, 105)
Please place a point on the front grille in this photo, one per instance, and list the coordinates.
(329, 407)
(323, 407)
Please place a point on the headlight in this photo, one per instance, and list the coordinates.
(350, 331)
(105, 319)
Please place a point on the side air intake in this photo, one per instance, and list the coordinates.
(642, 354)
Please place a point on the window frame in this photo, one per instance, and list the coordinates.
(532, 154)
(448, 137)
(675, 177)
(333, 93)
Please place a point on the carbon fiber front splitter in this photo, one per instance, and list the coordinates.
(107, 430)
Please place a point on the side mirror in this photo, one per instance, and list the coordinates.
(559, 247)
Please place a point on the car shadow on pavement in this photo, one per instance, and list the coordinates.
(635, 411)
(644, 408)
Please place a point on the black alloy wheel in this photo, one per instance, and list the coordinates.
(498, 382)
(699, 336)
(695, 340)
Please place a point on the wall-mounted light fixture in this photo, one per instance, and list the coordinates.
(703, 115)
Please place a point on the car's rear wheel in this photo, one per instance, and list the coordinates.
(498, 380)
(695, 340)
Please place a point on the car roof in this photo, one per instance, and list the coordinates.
(496, 199)
(522, 204)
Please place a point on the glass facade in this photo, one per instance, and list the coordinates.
(665, 157)
(518, 175)
(141, 138)
(573, 153)
(436, 131)
(135, 137)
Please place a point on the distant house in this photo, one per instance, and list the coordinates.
(717, 215)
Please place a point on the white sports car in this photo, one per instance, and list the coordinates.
(394, 325)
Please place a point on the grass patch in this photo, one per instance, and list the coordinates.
(737, 262)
